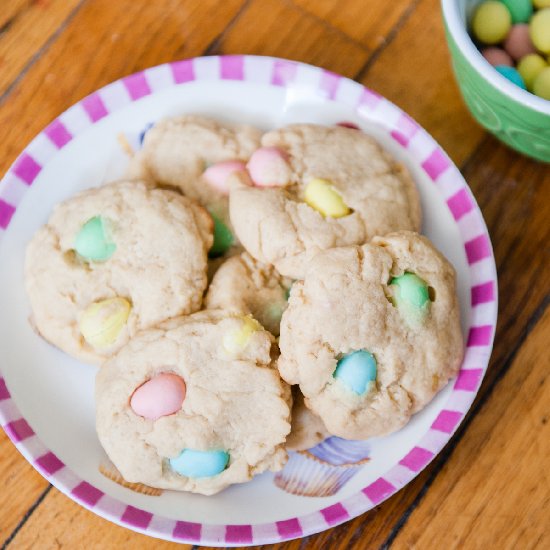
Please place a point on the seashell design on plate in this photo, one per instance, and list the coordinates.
(324, 469)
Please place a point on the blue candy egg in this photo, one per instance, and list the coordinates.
(196, 464)
(356, 370)
(511, 74)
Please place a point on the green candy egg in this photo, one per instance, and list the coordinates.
(411, 289)
(93, 242)
(223, 238)
(520, 10)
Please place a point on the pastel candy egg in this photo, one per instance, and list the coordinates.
(541, 86)
(511, 74)
(529, 68)
(102, 322)
(268, 167)
(321, 195)
(497, 56)
(411, 289)
(235, 341)
(217, 174)
(356, 370)
(491, 22)
(520, 10)
(539, 30)
(197, 464)
(539, 4)
(518, 42)
(93, 242)
(223, 238)
(160, 396)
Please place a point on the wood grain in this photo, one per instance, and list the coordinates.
(368, 23)
(105, 41)
(60, 522)
(493, 492)
(283, 30)
(25, 28)
(397, 49)
(9, 9)
(21, 485)
(414, 71)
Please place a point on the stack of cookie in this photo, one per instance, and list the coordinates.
(318, 279)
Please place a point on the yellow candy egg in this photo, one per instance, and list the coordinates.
(236, 340)
(541, 86)
(541, 4)
(102, 322)
(539, 30)
(491, 22)
(529, 68)
(321, 195)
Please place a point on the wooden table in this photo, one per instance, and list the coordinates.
(490, 487)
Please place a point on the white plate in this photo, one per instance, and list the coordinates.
(46, 398)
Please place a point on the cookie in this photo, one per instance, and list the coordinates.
(316, 188)
(194, 405)
(196, 155)
(307, 429)
(113, 260)
(245, 285)
(372, 333)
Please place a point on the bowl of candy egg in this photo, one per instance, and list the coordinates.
(500, 51)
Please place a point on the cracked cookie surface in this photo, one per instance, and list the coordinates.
(157, 266)
(346, 303)
(277, 226)
(235, 402)
(246, 285)
(177, 151)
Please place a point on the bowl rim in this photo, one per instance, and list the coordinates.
(457, 29)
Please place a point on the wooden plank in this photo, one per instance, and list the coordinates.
(27, 27)
(414, 72)
(9, 9)
(119, 39)
(368, 23)
(495, 490)
(63, 523)
(276, 27)
(20, 486)
(512, 192)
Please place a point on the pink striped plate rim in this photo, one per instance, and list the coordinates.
(409, 135)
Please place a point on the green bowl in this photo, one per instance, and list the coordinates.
(517, 117)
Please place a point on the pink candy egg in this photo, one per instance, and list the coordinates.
(518, 42)
(160, 396)
(268, 167)
(217, 174)
(497, 56)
